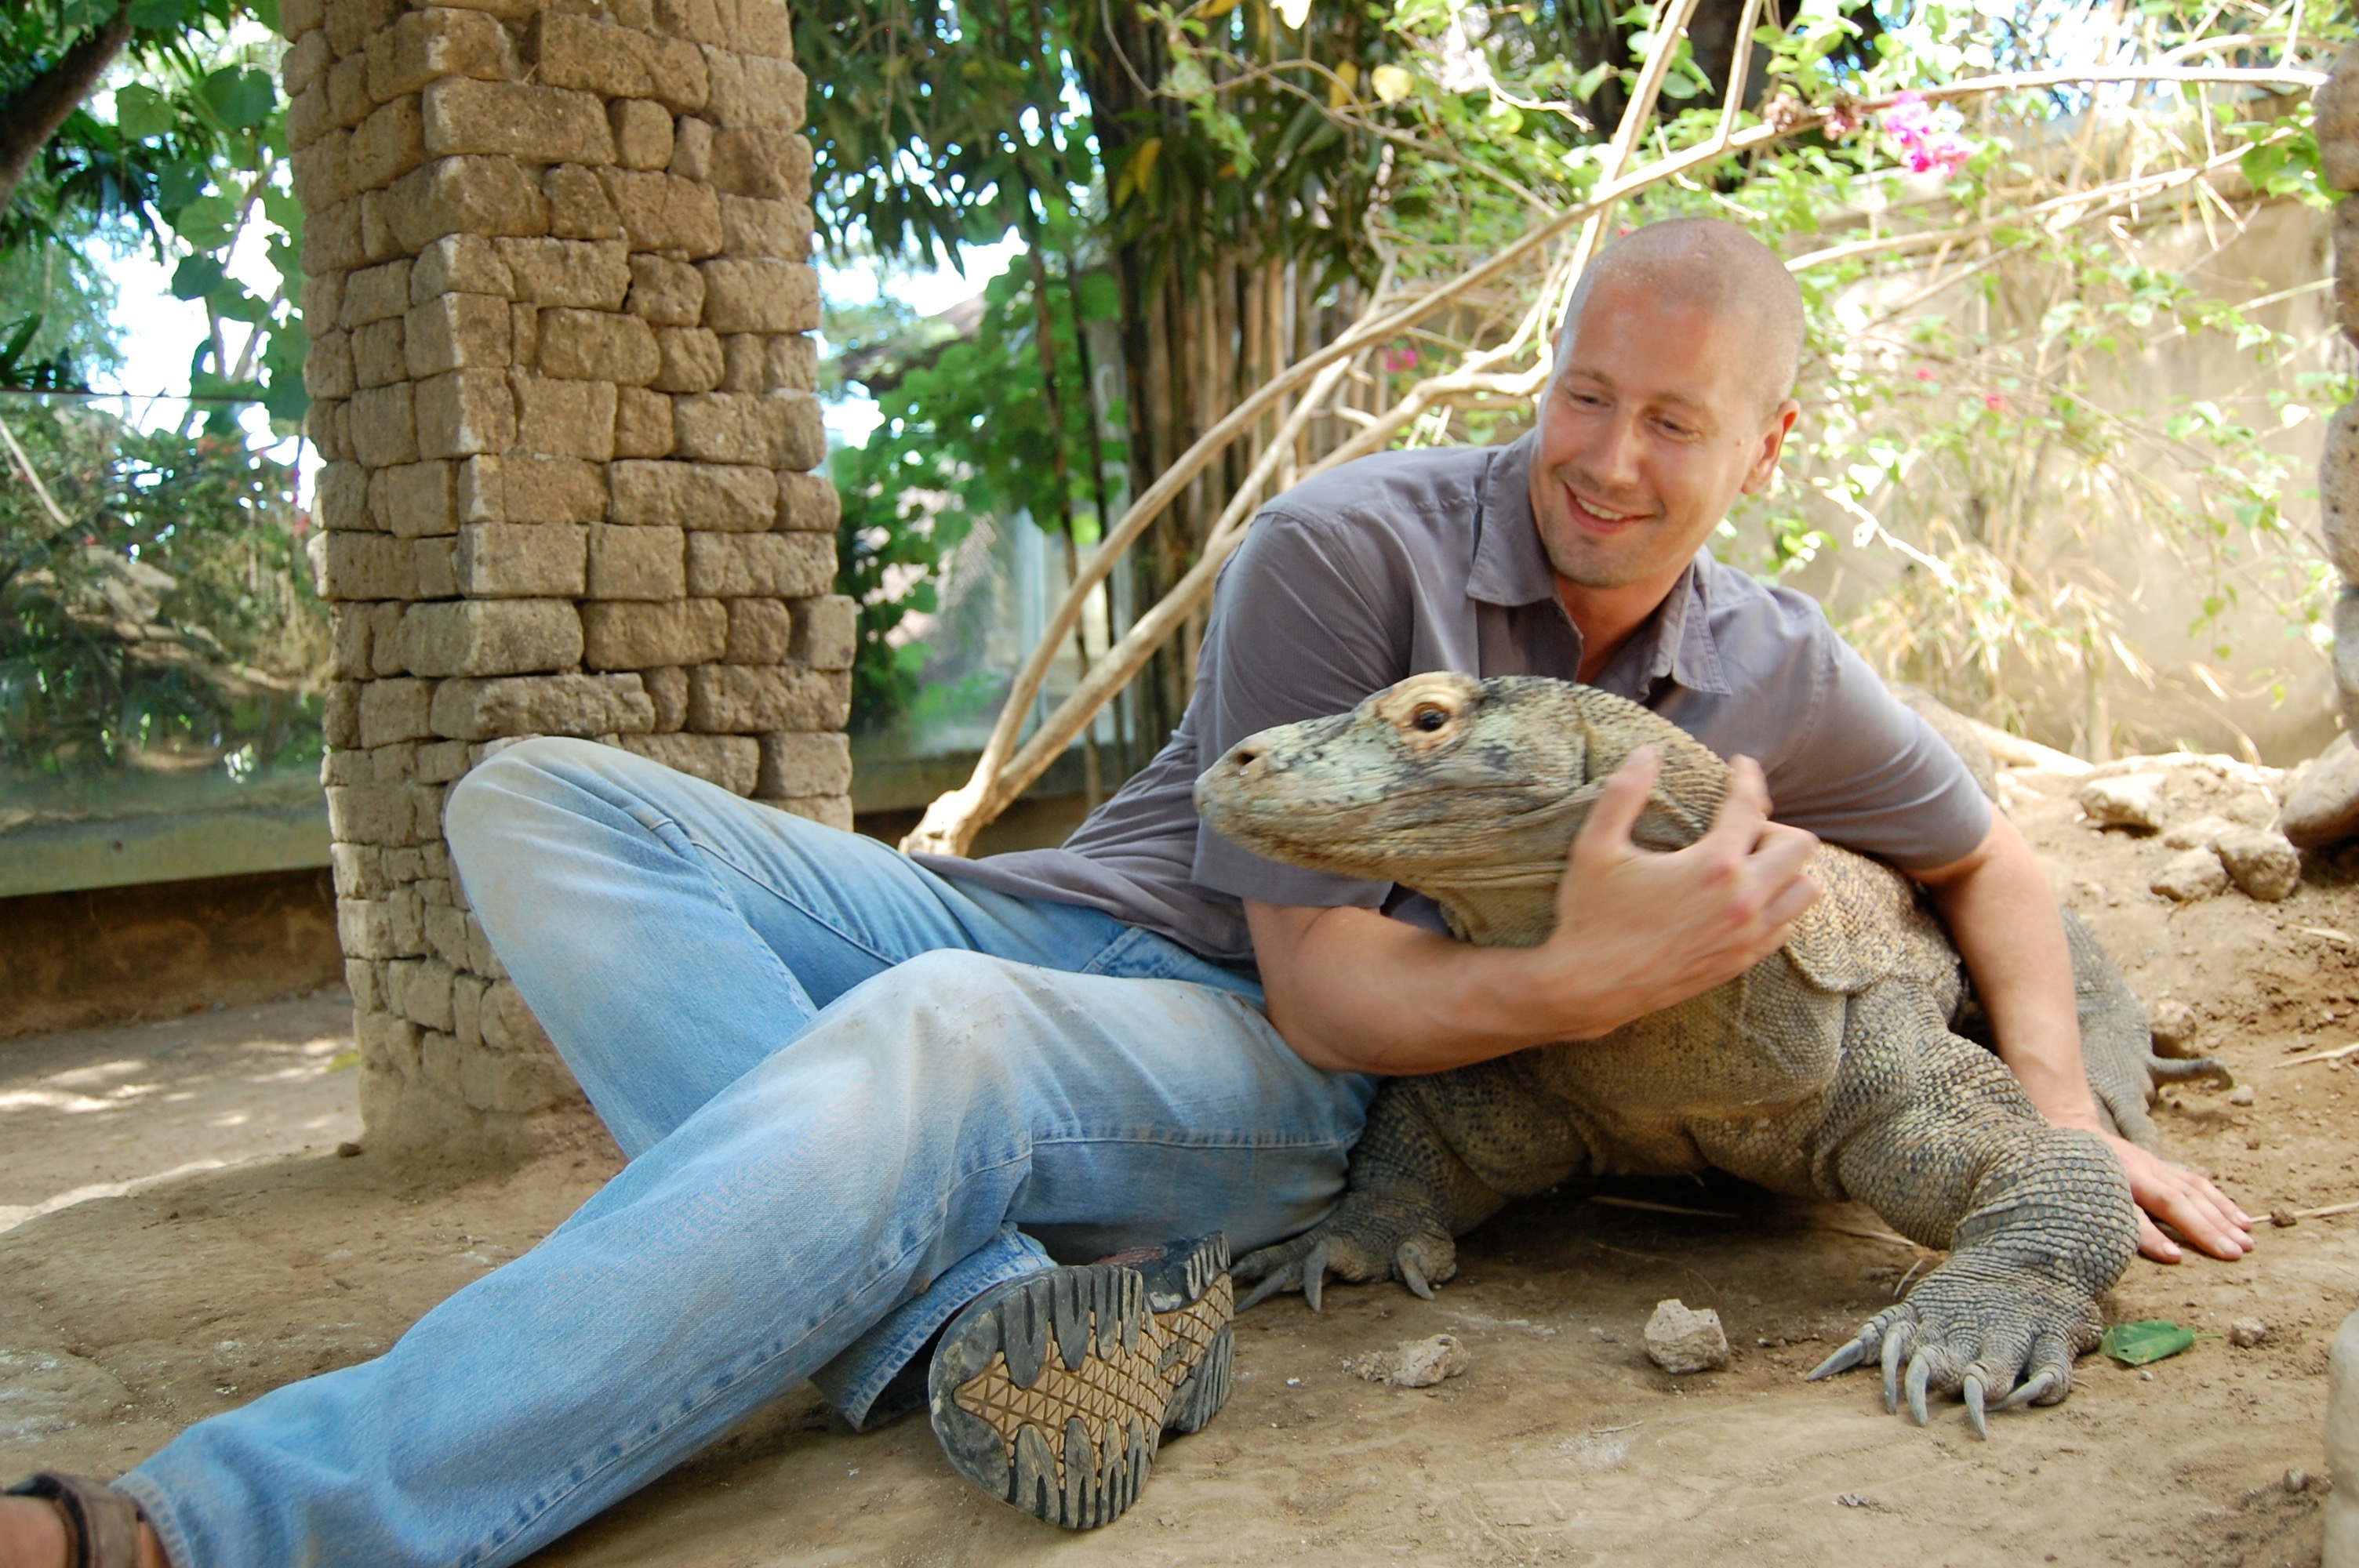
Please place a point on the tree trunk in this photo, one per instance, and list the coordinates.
(33, 117)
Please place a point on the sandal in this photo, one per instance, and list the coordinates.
(102, 1524)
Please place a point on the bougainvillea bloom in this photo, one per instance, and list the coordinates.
(1926, 145)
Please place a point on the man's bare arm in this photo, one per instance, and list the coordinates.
(1351, 990)
(2000, 913)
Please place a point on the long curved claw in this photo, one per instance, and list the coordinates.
(1973, 1392)
(1920, 1372)
(1895, 1347)
(1314, 1275)
(1411, 1274)
(1278, 1279)
(2164, 1070)
(2046, 1381)
(1843, 1361)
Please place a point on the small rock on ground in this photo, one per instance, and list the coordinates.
(2173, 1026)
(2196, 874)
(2322, 808)
(2201, 833)
(1413, 1363)
(2247, 1332)
(2265, 864)
(1679, 1339)
(2125, 800)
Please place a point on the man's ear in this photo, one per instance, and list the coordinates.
(1772, 446)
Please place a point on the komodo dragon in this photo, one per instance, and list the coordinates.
(1830, 1068)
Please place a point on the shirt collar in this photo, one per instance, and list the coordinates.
(1512, 569)
(1684, 649)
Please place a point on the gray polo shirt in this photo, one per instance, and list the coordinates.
(1406, 562)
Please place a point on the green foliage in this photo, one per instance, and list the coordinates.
(887, 549)
(1993, 438)
(1191, 130)
(171, 622)
(185, 157)
(936, 123)
(965, 438)
(1992, 441)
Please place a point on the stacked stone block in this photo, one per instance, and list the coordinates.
(559, 300)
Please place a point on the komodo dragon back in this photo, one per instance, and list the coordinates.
(1831, 1066)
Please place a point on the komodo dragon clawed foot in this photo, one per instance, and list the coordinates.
(1995, 1338)
(1358, 1242)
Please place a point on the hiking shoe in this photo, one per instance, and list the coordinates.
(1052, 1391)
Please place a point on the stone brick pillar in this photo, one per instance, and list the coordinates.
(559, 295)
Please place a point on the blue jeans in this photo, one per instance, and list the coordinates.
(843, 1082)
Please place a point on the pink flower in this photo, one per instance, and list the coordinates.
(1400, 359)
(1924, 374)
(1993, 402)
(1909, 118)
(1925, 147)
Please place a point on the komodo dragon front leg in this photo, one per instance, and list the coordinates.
(1439, 1156)
(1932, 1132)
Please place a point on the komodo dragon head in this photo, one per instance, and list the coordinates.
(1469, 791)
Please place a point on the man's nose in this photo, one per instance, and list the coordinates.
(1613, 460)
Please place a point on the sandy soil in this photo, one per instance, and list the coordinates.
(124, 1319)
(102, 1112)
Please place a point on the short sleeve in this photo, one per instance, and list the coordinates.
(1304, 624)
(1868, 773)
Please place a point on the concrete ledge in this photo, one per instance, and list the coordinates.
(283, 831)
(232, 840)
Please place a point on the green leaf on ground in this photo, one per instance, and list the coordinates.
(2135, 1343)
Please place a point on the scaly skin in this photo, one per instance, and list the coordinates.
(1831, 1068)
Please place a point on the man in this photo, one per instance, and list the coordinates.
(847, 1078)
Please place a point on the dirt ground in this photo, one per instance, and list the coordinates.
(123, 1319)
(102, 1112)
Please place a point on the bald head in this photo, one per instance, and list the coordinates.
(1715, 266)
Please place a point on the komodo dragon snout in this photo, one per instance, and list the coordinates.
(1833, 1068)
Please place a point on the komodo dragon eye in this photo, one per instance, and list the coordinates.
(1429, 717)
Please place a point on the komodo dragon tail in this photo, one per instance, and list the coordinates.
(2116, 1045)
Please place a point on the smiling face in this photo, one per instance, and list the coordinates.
(1655, 422)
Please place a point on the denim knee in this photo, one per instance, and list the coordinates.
(933, 1030)
(512, 787)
